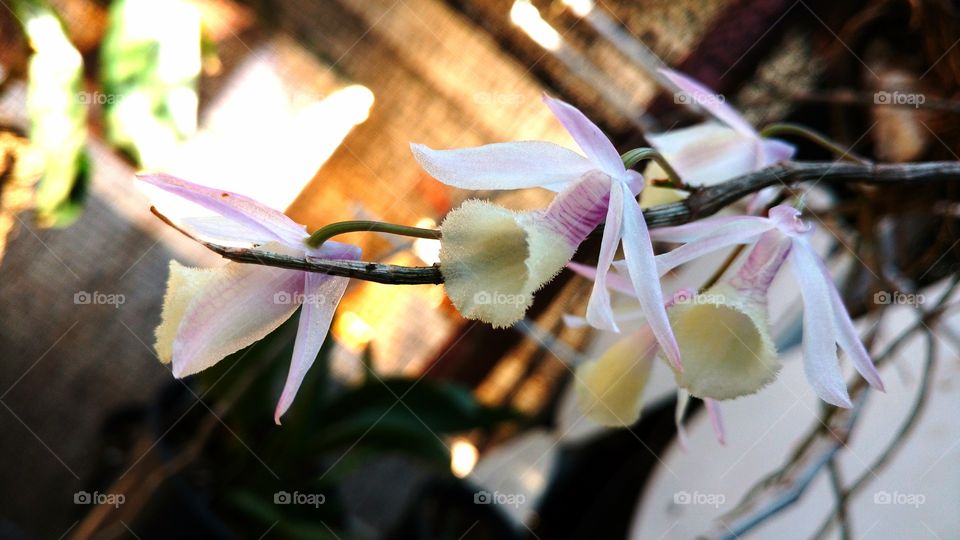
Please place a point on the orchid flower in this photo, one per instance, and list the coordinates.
(715, 151)
(610, 388)
(737, 357)
(526, 164)
(213, 312)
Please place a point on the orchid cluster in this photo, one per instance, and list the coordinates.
(493, 260)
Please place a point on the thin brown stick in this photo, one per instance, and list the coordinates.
(700, 204)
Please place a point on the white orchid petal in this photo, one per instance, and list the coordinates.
(711, 102)
(510, 165)
(599, 312)
(240, 305)
(322, 294)
(697, 230)
(638, 252)
(239, 208)
(733, 233)
(847, 336)
(705, 154)
(221, 230)
(588, 136)
(819, 333)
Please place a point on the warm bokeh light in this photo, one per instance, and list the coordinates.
(580, 7)
(463, 457)
(352, 331)
(527, 17)
(428, 250)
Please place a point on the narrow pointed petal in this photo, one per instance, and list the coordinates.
(510, 165)
(638, 252)
(696, 230)
(322, 294)
(819, 334)
(708, 99)
(239, 306)
(615, 282)
(599, 312)
(741, 232)
(713, 411)
(588, 136)
(235, 207)
(847, 336)
(705, 154)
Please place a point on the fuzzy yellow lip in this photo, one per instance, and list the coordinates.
(493, 260)
(725, 344)
(610, 388)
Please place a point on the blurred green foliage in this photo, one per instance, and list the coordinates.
(56, 108)
(150, 68)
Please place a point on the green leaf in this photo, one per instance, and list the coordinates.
(150, 69)
(57, 112)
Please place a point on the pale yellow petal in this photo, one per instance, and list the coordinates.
(725, 344)
(493, 260)
(610, 388)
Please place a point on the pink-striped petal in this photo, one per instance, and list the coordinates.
(638, 252)
(322, 294)
(819, 334)
(510, 165)
(711, 102)
(599, 312)
(588, 136)
(239, 208)
(241, 305)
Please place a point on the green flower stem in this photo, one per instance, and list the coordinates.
(327, 232)
(814, 137)
(632, 157)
